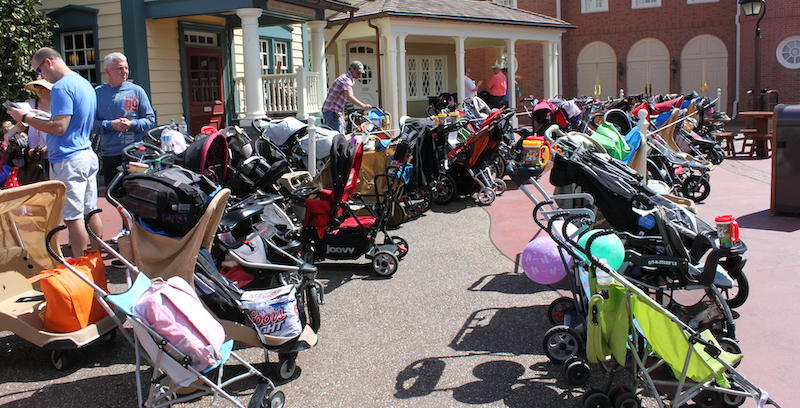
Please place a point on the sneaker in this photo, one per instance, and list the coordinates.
(118, 264)
(123, 232)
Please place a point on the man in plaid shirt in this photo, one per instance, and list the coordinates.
(340, 93)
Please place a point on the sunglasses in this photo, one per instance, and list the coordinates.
(38, 68)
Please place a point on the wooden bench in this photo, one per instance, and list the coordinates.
(726, 137)
(760, 144)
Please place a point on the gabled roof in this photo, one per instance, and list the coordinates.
(452, 10)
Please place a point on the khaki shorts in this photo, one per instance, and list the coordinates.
(79, 174)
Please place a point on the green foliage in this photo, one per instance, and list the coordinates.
(24, 30)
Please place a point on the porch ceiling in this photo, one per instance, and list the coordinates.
(311, 9)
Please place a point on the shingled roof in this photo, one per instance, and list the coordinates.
(452, 10)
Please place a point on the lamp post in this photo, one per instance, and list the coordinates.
(753, 8)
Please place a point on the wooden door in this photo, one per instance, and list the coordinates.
(206, 107)
(704, 68)
(597, 73)
(648, 67)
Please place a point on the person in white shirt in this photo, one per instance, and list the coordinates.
(471, 86)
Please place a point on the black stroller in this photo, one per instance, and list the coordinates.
(335, 225)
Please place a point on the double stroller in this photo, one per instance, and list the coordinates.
(340, 223)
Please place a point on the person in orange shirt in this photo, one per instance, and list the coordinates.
(497, 87)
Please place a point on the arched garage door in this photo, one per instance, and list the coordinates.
(648, 67)
(704, 68)
(597, 74)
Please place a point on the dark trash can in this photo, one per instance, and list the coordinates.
(786, 160)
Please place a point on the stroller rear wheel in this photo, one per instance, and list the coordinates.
(310, 310)
(385, 263)
(59, 359)
(708, 399)
(577, 372)
(444, 189)
(561, 342)
(402, 245)
(595, 398)
(559, 308)
(396, 215)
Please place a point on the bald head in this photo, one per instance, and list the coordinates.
(49, 64)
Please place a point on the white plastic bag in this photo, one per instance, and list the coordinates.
(273, 312)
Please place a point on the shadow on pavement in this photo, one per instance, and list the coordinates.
(763, 221)
(511, 283)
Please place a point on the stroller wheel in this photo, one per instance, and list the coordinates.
(737, 295)
(287, 365)
(731, 346)
(486, 196)
(499, 186)
(266, 396)
(561, 342)
(385, 263)
(708, 399)
(311, 308)
(307, 253)
(577, 372)
(596, 400)
(402, 245)
(59, 359)
(696, 188)
(444, 190)
(628, 400)
(558, 310)
(396, 215)
(618, 390)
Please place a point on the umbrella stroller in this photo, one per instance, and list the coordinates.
(27, 213)
(183, 343)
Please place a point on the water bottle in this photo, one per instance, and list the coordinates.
(603, 278)
(172, 124)
(157, 164)
(166, 141)
(183, 127)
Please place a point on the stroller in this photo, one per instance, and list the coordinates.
(181, 372)
(469, 165)
(166, 256)
(332, 226)
(27, 213)
(626, 326)
(670, 230)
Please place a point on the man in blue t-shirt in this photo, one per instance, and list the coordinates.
(123, 115)
(72, 108)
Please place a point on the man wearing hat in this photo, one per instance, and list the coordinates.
(497, 87)
(339, 94)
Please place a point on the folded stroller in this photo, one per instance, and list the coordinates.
(332, 226)
(182, 342)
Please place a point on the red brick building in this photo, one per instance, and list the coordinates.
(663, 46)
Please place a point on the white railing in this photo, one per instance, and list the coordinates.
(284, 94)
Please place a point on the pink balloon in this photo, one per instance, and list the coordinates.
(541, 261)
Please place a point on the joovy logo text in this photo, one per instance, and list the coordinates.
(339, 250)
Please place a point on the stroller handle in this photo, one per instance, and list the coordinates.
(127, 218)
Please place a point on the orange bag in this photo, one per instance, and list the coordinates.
(71, 304)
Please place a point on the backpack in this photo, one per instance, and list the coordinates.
(170, 200)
(172, 309)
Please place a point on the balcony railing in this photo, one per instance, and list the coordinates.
(284, 94)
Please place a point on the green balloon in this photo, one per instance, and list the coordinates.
(607, 246)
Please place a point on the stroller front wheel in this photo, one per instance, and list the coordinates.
(499, 186)
(287, 365)
(486, 196)
(561, 342)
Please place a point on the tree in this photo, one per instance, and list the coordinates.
(25, 30)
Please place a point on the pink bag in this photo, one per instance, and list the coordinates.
(173, 310)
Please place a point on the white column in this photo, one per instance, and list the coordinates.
(317, 54)
(403, 81)
(390, 96)
(512, 71)
(550, 74)
(559, 67)
(253, 85)
(460, 68)
(341, 46)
